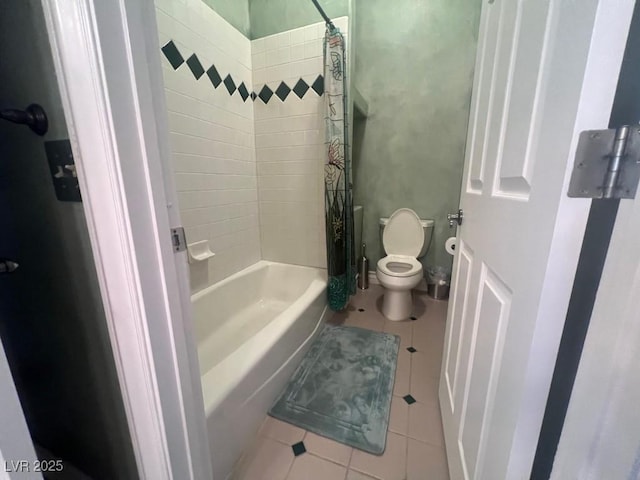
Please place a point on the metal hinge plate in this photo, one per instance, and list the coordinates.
(607, 164)
(63, 170)
(178, 239)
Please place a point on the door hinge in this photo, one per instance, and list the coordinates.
(178, 239)
(607, 164)
(63, 170)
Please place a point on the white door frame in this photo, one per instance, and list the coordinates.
(106, 55)
(600, 433)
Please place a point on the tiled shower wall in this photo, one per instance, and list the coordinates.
(246, 123)
(290, 144)
(211, 127)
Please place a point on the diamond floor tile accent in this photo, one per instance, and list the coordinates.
(298, 448)
(409, 399)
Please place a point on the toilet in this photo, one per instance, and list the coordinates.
(405, 238)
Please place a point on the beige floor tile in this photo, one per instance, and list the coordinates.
(425, 364)
(425, 423)
(367, 298)
(426, 462)
(327, 448)
(402, 329)
(281, 431)
(424, 382)
(391, 465)
(269, 460)
(364, 320)
(427, 341)
(355, 475)
(399, 417)
(403, 374)
(310, 467)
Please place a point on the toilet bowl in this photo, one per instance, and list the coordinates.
(405, 238)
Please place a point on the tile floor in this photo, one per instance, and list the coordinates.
(415, 443)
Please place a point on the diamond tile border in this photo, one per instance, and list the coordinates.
(173, 54)
(193, 62)
(301, 88)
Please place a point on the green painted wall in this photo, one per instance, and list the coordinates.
(275, 16)
(414, 64)
(236, 12)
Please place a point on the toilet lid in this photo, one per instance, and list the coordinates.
(403, 234)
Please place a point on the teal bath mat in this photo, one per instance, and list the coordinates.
(343, 387)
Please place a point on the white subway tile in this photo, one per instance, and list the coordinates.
(297, 36)
(312, 49)
(258, 45)
(311, 33)
(271, 42)
(297, 52)
(284, 55)
(284, 39)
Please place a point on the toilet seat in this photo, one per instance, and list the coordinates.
(403, 234)
(399, 266)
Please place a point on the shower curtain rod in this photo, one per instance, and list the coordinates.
(327, 20)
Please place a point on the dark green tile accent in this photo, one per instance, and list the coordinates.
(298, 448)
(283, 91)
(409, 399)
(196, 67)
(318, 85)
(242, 90)
(301, 88)
(172, 54)
(214, 76)
(230, 84)
(265, 94)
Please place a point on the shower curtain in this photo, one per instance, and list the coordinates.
(341, 262)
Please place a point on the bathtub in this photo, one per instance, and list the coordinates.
(252, 330)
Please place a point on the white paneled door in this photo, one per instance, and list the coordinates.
(545, 70)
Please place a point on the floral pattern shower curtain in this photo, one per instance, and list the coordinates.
(341, 262)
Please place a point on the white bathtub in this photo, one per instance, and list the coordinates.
(252, 330)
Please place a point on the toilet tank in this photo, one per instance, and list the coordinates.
(427, 229)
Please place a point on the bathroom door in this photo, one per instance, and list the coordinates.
(545, 71)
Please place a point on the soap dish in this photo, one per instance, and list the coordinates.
(199, 251)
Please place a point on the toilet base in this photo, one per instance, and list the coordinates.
(397, 305)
